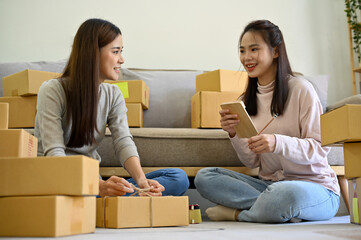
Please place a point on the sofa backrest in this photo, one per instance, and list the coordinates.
(170, 94)
(170, 90)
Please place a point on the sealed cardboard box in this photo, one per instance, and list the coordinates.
(131, 212)
(46, 216)
(222, 81)
(26, 83)
(4, 116)
(352, 159)
(206, 106)
(135, 114)
(22, 111)
(70, 175)
(354, 190)
(17, 143)
(134, 91)
(341, 125)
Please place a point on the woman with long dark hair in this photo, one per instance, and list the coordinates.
(295, 181)
(74, 110)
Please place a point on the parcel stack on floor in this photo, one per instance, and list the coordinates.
(136, 95)
(342, 125)
(40, 196)
(139, 211)
(212, 89)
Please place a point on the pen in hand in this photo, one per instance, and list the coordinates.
(273, 118)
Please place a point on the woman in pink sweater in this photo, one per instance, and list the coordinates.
(295, 181)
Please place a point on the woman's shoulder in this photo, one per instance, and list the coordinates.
(110, 91)
(302, 87)
(110, 88)
(53, 84)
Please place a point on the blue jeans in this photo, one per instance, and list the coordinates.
(174, 180)
(266, 201)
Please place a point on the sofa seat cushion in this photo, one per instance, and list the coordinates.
(185, 147)
(176, 147)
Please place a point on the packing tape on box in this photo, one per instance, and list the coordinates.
(77, 213)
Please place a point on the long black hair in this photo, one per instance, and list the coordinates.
(273, 37)
(80, 79)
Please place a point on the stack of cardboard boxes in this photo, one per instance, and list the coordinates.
(212, 89)
(136, 95)
(342, 125)
(20, 91)
(43, 196)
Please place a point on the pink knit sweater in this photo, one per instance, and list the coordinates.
(298, 154)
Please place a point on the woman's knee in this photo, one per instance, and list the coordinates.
(202, 177)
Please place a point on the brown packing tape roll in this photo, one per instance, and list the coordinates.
(77, 215)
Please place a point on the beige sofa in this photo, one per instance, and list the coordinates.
(166, 140)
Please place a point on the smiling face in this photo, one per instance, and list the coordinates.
(257, 58)
(111, 59)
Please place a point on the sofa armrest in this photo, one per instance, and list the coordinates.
(355, 99)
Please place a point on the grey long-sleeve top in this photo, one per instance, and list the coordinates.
(53, 132)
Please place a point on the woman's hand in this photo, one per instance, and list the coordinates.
(114, 186)
(228, 122)
(263, 143)
(155, 187)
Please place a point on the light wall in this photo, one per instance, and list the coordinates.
(186, 34)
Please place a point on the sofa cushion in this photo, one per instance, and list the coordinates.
(11, 68)
(176, 147)
(170, 94)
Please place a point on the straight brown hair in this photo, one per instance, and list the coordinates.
(272, 35)
(80, 79)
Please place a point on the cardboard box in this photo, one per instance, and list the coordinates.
(4, 116)
(206, 106)
(134, 91)
(26, 83)
(222, 81)
(341, 125)
(135, 114)
(70, 175)
(352, 159)
(22, 111)
(354, 191)
(17, 143)
(46, 216)
(131, 212)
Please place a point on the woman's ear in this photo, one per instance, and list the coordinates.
(275, 52)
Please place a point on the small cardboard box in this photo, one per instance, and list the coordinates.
(46, 216)
(22, 111)
(132, 212)
(134, 91)
(222, 81)
(4, 116)
(135, 114)
(26, 83)
(70, 175)
(206, 106)
(354, 191)
(352, 159)
(17, 143)
(341, 125)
